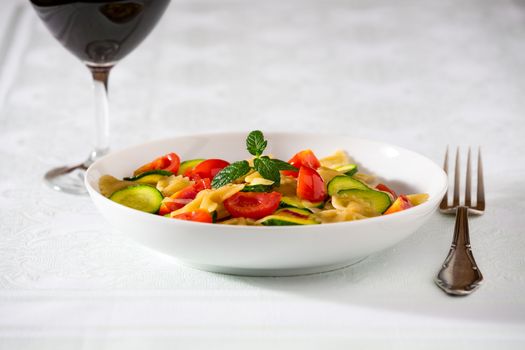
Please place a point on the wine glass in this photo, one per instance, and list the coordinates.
(99, 33)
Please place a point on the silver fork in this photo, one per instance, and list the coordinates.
(459, 274)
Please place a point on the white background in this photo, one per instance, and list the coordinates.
(419, 74)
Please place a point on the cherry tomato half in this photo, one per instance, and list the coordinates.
(253, 205)
(169, 162)
(385, 188)
(401, 203)
(303, 158)
(199, 215)
(310, 185)
(183, 197)
(208, 169)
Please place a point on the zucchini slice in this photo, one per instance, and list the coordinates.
(289, 216)
(349, 169)
(285, 220)
(188, 165)
(146, 174)
(301, 213)
(140, 197)
(294, 202)
(379, 201)
(344, 182)
(151, 179)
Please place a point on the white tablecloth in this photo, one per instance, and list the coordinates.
(419, 74)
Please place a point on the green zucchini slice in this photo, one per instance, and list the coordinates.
(301, 213)
(286, 220)
(289, 216)
(141, 176)
(294, 202)
(344, 182)
(152, 179)
(141, 197)
(380, 201)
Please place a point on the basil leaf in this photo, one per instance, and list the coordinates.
(255, 143)
(267, 169)
(282, 165)
(231, 173)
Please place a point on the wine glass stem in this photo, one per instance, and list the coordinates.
(100, 84)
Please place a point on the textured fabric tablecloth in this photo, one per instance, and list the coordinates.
(418, 74)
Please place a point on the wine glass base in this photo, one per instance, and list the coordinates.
(67, 179)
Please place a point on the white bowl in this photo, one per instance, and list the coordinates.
(273, 251)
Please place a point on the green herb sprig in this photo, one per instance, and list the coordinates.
(268, 168)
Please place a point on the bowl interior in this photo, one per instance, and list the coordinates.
(405, 171)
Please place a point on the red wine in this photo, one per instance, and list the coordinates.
(100, 32)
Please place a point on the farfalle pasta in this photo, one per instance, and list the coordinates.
(209, 199)
(259, 191)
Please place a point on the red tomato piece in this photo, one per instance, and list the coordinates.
(203, 184)
(190, 192)
(174, 163)
(310, 185)
(168, 162)
(183, 197)
(401, 203)
(303, 158)
(385, 188)
(208, 169)
(199, 215)
(253, 205)
(171, 204)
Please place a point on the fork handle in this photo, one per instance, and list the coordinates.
(459, 274)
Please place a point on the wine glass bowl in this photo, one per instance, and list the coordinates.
(99, 33)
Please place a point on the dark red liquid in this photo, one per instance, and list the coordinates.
(100, 32)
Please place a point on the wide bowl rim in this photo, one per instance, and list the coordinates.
(424, 207)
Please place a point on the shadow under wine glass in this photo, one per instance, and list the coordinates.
(99, 33)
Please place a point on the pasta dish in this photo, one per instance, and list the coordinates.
(260, 190)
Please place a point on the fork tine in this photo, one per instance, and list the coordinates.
(468, 182)
(444, 202)
(480, 205)
(455, 202)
